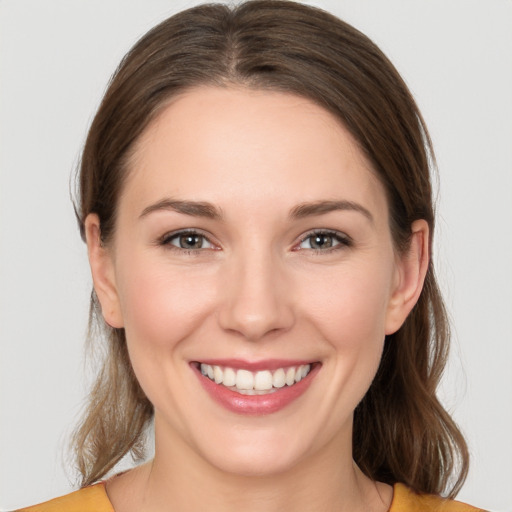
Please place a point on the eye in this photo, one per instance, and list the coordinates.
(187, 240)
(324, 241)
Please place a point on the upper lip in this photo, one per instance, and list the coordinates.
(254, 366)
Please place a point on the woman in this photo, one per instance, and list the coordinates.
(256, 202)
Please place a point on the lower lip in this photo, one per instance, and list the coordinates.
(256, 404)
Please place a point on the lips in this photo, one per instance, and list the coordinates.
(255, 388)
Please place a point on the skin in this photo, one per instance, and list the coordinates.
(254, 290)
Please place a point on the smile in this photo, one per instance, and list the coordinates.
(255, 383)
(255, 388)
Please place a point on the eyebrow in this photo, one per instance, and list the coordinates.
(193, 208)
(320, 207)
(208, 210)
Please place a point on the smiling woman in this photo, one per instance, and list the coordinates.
(261, 292)
(256, 201)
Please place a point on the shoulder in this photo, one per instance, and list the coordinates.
(92, 498)
(406, 500)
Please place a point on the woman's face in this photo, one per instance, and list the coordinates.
(252, 245)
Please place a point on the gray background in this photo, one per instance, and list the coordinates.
(55, 60)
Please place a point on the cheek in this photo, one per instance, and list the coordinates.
(351, 318)
(160, 304)
(162, 307)
(346, 310)
(356, 333)
(350, 305)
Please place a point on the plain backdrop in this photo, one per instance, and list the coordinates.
(55, 59)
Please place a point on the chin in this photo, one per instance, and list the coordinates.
(261, 456)
(254, 463)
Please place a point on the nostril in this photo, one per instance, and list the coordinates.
(255, 326)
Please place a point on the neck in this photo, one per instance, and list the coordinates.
(179, 479)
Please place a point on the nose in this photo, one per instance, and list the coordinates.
(257, 297)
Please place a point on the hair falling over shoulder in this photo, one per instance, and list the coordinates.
(401, 431)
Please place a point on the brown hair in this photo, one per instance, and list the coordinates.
(401, 431)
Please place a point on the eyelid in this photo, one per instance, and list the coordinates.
(165, 239)
(343, 239)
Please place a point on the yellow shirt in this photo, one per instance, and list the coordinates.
(95, 499)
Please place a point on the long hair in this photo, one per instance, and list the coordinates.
(401, 431)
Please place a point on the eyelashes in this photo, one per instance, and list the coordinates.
(193, 241)
(189, 242)
(321, 240)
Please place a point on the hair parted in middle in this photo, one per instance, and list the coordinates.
(401, 431)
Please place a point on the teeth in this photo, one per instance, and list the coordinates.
(229, 377)
(290, 376)
(263, 380)
(279, 378)
(255, 383)
(244, 380)
(217, 374)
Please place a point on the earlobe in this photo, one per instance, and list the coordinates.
(412, 268)
(102, 269)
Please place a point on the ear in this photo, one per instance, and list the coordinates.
(103, 275)
(412, 268)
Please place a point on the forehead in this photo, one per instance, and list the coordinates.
(215, 144)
